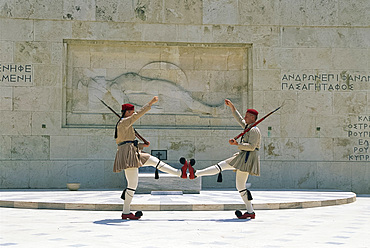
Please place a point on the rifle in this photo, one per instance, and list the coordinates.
(136, 133)
(256, 123)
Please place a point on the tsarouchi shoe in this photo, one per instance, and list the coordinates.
(246, 215)
(191, 169)
(184, 168)
(131, 216)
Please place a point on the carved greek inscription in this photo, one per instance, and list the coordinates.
(322, 82)
(16, 74)
(361, 131)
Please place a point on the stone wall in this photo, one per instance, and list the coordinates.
(313, 57)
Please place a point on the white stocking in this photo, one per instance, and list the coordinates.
(214, 169)
(241, 180)
(132, 177)
(162, 166)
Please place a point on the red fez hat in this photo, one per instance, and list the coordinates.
(253, 111)
(127, 106)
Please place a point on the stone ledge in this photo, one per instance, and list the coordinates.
(167, 182)
(108, 200)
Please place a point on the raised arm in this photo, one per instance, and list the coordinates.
(154, 100)
(235, 113)
(128, 121)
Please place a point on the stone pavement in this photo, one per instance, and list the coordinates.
(344, 225)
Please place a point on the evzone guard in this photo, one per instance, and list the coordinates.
(245, 162)
(130, 157)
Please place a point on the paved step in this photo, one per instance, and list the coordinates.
(167, 182)
(205, 200)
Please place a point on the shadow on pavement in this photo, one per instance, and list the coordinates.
(113, 222)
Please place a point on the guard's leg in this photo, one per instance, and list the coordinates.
(214, 169)
(132, 175)
(241, 179)
(162, 166)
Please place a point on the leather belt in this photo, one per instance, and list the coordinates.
(135, 142)
(247, 155)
